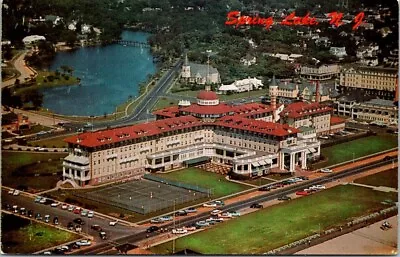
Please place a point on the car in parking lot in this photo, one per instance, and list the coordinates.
(84, 242)
(70, 226)
(38, 216)
(103, 235)
(152, 229)
(320, 187)
(16, 192)
(71, 208)
(55, 221)
(219, 202)
(78, 228)
(113, 223)
(37, 199)
(215, 219)
(64, 206)
(84, 213)
(284, 198)
(323, 137)
(43, 200)
(30, 213)
(225, 215)
(96, 227)
(15, 208)
(256, 206)
(55, 204)
(90, 214)
(211, 204)
(46, 218)
(22, 211)
(234, 213)
(77, 210)
(191, 210)
(190, 228)
(79, 221)
(179, 231)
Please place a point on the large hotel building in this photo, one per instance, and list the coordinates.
(248, 137)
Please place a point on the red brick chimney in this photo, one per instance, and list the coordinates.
(317, 96)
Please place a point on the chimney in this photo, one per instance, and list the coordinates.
(396, 97)
(317, 96)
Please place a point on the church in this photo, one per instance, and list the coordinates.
(199, 73)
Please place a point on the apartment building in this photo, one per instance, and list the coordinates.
(236, 135)
(377, 81)
(323, 72)
(376, 110)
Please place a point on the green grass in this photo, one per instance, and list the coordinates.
(258, 181)
(57, 142)
(388, 178)
(15, 163)
(164, 102)
(27, 238)
(217, 183)
(43, 82)
(267, 229)
(360, 147)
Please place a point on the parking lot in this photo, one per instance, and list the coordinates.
(142, 196)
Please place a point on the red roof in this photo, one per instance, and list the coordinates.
(168, 112)
(208, 109)
(302, 109)
(337, 120)
(260, 126)
(207, 95)
(104, 137)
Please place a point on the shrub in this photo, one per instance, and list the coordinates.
(19, 149)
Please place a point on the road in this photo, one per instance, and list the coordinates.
(19, 65)
(102, 248)
(66, 216)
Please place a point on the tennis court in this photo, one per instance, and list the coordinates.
(142, 196)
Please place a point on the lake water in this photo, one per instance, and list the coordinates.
(109, 75)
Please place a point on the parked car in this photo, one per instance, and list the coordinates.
(191, 210)
(30, 213)
(47, 218)
(284, 198)
(320, 187)
(16, 192)
(215, 212)
(90, 214)
(212, 204)
(55, 204)
(202, 223)
(77, 210)
(79, 221)
(71, 208)
(11, 192)
(15, 208)
(167, 218)
(156, 221)
(64, 206)
(326, 170)
(55, 221)
(152, 229)
(256, 206)
(38, 216)
(234, 213)
(96, 227)
(218, 219)
(103, 235)
(84, 242)
(78, 228)
(190, 228)
(225, 215)
(37, 199)
(323, 137)
(264, 188)
(113, 223)
(219, 202)
(22, 210)
(70, 226)
(84, 213)
(302, 193)
(179, 231)
(181, 213)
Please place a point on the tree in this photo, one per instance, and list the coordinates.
(35, 97)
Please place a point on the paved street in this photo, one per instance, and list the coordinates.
(19, 64)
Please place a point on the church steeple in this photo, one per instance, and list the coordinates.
(186, 60)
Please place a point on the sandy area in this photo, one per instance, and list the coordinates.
(370, 240)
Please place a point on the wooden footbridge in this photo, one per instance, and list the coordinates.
(131, 43)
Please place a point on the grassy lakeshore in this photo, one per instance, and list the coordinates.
(46, 79)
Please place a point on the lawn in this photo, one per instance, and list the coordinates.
(19, 236)
(18, 168)
(216, 182)
(55, 142)
(267, 229)
(360, 147)
(164, 102)
(388, 178)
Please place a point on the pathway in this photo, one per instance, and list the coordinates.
(25, 71)
(379, 188)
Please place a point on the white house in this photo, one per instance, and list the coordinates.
(243, 85)
(32, 39)
(248, 60)
(339, 52)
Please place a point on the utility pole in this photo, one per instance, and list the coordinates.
(173, 241)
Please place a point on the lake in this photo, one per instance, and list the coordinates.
(109, 75)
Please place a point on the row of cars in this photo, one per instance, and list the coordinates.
(64, 206)
(61, 250)
(311, 190)
(283, 183)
